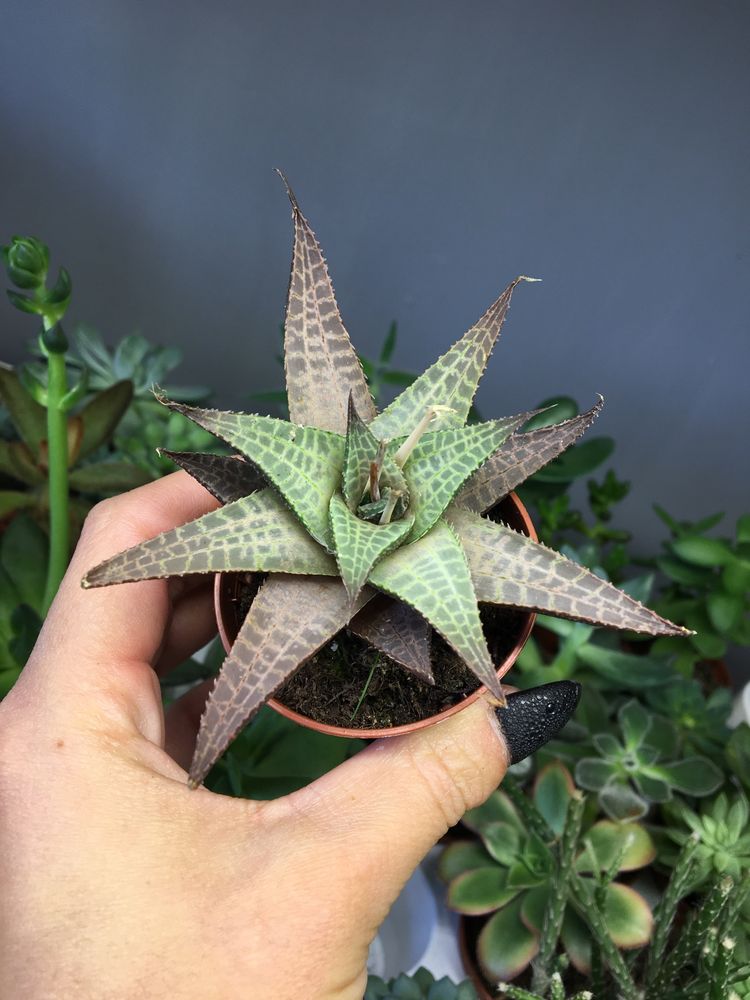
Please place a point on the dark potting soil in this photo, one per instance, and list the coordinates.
(328, 687)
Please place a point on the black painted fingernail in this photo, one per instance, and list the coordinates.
(533, 717)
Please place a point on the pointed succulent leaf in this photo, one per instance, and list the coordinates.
(102, 414)
(256, 533)
(509, 568)
(481, 890)
(452, 380)
(303, 463)
(442, 461)
(226, 477)
(361, 449)
(359, 545)
(521, 456)
(29, 418)
(289, 620)
(321, 365)
(432, 576)
(398, 631)
(505, 945)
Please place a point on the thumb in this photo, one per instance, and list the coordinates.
(384, 809)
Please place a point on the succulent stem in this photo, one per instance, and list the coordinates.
(376, 467)
(695, 935)
(413, 439)
(666, 909)
(555, 911)
(390, 506)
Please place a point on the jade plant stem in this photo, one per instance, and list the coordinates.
(57, 459)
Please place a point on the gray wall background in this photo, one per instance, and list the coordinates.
(438, 149)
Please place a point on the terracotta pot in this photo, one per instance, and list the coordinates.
(510, 510)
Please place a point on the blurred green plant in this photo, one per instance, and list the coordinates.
(520, 869)
(640, 764)
(146, 427)
(39, 467)
(422, 985)
(722, 829)
(700, 720)
(708, 586)
(23, 574)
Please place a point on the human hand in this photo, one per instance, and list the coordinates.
(117, 881)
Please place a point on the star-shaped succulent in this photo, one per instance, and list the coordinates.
(342, 502)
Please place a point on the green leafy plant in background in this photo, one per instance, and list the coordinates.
(641, 765)
(722, 829)
(708, 586)
(275, 757)
(45, 463)
(548, 493)
(560, 650)
(146, 426)
(388, 502)
(422, 985)
(689, 948)
(556, 991)
(520, 872)
(23, 576)
(700, 720)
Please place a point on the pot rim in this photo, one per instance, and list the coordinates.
(526, 525)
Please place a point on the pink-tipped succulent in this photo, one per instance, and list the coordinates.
(342, 502)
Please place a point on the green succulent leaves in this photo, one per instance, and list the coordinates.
(339, 502)
(642, 766)
(513, 874)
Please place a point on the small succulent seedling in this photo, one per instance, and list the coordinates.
(340, 502)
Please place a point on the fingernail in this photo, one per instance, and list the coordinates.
(533, 717)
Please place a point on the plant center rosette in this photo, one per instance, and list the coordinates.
(341, 503)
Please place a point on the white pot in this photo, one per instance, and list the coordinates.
(419, 930)
(741, 710)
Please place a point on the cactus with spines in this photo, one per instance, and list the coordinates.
(341, 503)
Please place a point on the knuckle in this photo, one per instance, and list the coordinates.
(452, 781)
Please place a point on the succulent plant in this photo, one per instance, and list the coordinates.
(515, 873)
(556, 991)
(708, 586)
(642, 765)
(422, 985)
(341, 502)
(723, 831)
(700, 720)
